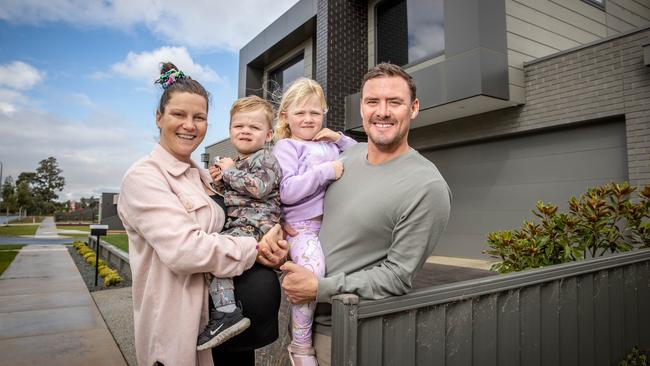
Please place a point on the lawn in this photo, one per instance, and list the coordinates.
(119, 240)
(74, 227)
(28, 220)
(16, 230)
(7, 254)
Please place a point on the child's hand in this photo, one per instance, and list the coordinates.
(327, 135)
(225, 163)
(338, 169)
(215, 173)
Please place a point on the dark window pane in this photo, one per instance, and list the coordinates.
(392, 32)
(409, 30)
(283, 76)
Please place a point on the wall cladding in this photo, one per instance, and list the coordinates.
(341, 53)
(600, 81)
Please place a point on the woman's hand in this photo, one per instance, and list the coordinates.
(326, 135)
(273, 248)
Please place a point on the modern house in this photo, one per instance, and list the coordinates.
(521, 100)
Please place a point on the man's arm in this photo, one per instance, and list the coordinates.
(417, 231)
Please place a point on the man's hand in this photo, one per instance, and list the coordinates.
(299, 284)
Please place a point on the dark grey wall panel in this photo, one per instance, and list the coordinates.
(432, 91)
(508, 328)
(494, 77)
(529, 300)
(602, 352)
(616, 315)
(643, 299)
(461, 26)
(549, 305)
(585, 319)
(536, 317)
(569, 322)
(463, 75)
(459, 334)
(630, 306)
(492, 24)
(371, 336)
(484, 325)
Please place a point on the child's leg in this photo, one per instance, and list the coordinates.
(305, 250)
(222, 292)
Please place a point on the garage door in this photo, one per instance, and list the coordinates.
(495, 184)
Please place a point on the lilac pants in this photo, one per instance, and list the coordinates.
(306, 251)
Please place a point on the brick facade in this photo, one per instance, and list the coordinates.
(341, 53)
(601, 81)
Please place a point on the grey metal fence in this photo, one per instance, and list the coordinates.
(590, 312)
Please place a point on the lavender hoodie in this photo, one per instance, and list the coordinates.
(306, 173)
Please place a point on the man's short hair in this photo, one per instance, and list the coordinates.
(253, 103)
(385, 69)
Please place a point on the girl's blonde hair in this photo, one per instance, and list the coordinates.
(297, 92)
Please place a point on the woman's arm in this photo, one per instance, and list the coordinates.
(149, 207)
(295, 185)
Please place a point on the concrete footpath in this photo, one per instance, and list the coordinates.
(47, 315)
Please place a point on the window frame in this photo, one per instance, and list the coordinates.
(596, 3)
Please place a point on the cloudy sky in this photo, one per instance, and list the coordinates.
(76, 78)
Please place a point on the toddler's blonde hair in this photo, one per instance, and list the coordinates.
(297, 92)
(253, 103)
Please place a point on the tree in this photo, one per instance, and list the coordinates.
(9, 195)
(24, 197)
(49, 180)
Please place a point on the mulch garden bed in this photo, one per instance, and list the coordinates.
(88, 273)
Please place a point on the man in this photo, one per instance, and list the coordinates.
(384, 216)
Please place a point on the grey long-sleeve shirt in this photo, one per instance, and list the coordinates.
(380, 224)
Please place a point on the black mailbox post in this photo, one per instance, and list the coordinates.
(97, 231)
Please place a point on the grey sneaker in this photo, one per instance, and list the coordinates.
(221, 327)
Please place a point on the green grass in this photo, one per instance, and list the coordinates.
(7, 254)
(73, 227)
(119, 240)
(11, 230)
(28, 220)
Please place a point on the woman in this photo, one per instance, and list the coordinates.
(171, 222)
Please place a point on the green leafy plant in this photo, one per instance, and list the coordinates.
(108, 275)
(602, 220)
(635, 358)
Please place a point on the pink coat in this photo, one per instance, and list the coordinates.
(172, 225)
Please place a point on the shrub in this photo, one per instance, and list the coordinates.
(602, 220)
(635, 358)
(110, 276)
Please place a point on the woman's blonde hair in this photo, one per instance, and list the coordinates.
(297, 92)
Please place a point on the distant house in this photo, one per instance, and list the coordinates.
(520, 100)
(108, 211)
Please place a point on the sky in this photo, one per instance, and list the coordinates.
(76, 78)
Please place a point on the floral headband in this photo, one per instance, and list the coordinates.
(169, 78)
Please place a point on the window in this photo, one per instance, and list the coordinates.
(280, 78)
(409, 31)
(600, 4)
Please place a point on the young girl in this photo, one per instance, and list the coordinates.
(308, 155)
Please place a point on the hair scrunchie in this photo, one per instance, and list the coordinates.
(169, 78)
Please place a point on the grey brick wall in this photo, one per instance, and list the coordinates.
(341, 53)
(605, 80)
